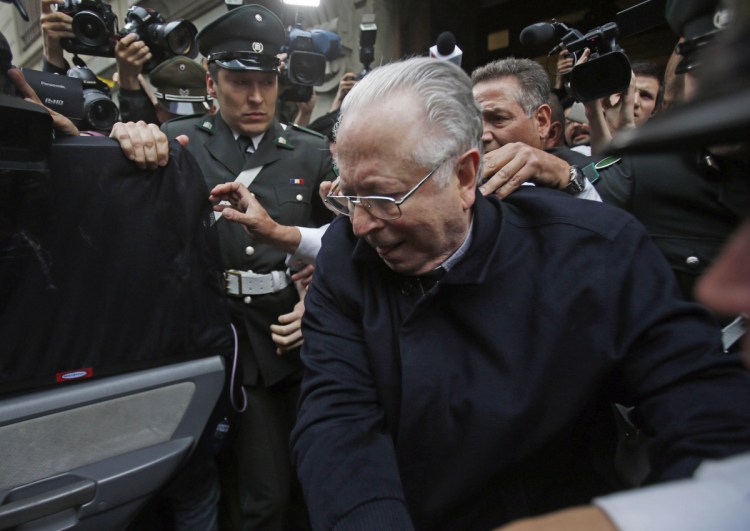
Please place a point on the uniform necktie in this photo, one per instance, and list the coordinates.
(246, 145)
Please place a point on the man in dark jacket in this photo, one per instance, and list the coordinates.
(462, 352)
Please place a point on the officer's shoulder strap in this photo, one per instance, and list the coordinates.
(306, 130)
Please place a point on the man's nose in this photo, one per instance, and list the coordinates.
(486, 135)
(363, 222)
(254, 94)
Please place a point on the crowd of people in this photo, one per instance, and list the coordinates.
(454, 307)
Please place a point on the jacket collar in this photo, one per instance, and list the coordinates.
(222, 146)
(477, 263)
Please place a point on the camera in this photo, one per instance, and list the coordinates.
(607, 70)
(94, 25)
(306, 64)
(164, 39)
(80, 96)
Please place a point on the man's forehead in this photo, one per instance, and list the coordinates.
(493, 92)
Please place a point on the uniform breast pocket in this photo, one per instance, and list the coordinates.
(294, 200)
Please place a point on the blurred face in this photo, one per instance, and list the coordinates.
(505, 121)
(375, 157)
(577, 134)
(646, 91)
(725, 287)
(247, 99)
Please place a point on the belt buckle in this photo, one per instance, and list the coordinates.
(229, 276)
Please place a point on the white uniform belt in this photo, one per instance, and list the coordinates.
(243, 283)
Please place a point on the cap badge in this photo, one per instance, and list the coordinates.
(722, 18)
(182, 68)
(259, 17)
(184, 92)
(258, 47)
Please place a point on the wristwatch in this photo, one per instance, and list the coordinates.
(577, 181)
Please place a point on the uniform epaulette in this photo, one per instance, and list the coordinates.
(306, 130)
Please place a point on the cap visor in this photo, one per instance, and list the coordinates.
(252, 64)
(182, 108)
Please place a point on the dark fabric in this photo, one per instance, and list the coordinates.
(688, 210)
(294, 163)
(109, 268)
(135, 106)
(488, 398)
(570, 156)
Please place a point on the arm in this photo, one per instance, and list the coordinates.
(507, 168)
(305, 110)
(607, 116)
(131, 54)
(242, 207)
(341, 447)
(55, 26)
(62, 124)
(575, 519)
(346, 84)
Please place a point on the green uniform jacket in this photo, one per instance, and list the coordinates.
(294, 162)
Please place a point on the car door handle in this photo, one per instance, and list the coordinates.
(49, 502)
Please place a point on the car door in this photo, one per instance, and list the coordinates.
(113, 333)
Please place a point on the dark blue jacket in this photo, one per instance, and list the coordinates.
(488, 398)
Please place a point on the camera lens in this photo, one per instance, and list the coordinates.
(180, 40)
(307, 68)
(89, 28)
(100, 111)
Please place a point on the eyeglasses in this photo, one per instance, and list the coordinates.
(381, 207)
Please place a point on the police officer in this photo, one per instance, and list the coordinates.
(283, 166)
(179, 88)
(692, 200)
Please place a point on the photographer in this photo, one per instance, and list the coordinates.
(55, 26)
(131, 54)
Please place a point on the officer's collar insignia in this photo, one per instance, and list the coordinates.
(208, 125)
(606, 163)
(283, 142)
(258, 47)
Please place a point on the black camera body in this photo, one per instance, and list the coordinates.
(306, 63)
(80, 96)
(607, 70)
(164, 39)
(94, 26)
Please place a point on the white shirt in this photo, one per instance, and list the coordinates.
(716, 498)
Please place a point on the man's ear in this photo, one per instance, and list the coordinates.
(467, 172)
(543, 120)
(554, 137)
(210, 86)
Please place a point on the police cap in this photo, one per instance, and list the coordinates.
(245, 38)
(180, 85)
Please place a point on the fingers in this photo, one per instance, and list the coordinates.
(234, 192)
(288, 333)
(184, 140)
(144, 144)
(304, 274)
(22, 86)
